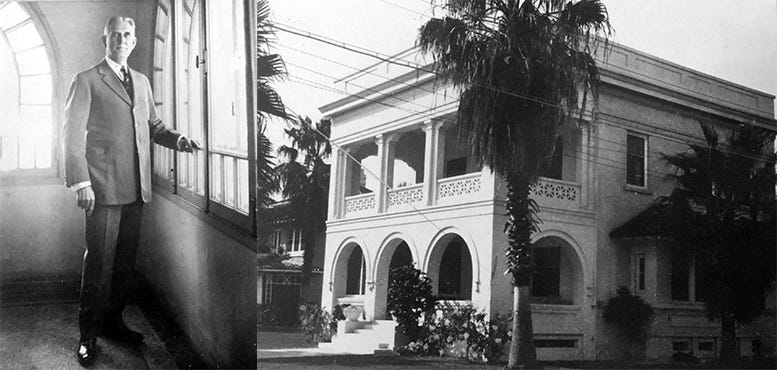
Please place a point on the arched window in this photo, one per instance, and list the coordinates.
(26, 99)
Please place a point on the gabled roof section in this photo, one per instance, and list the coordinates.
(655, 221)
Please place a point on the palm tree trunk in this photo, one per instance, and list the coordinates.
(728, 340)
(521, 224)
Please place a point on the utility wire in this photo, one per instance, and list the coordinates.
(394, 61)
(417, 67)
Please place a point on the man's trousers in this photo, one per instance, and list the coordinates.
(112, 234)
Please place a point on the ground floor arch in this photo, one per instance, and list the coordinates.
(350, 271)
(557, 274)
(396, 253)
(450, 267)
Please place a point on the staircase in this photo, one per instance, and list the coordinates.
(362, 337)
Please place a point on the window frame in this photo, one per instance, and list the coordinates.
(51, 174)
(645, 152)
(203, 203)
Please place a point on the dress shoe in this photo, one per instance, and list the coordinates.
(87, 351)
(118, 330)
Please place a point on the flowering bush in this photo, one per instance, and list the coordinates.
(485, 340)
(314, 321)
(410, 298)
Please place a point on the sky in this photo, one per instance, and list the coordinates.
(735, 40)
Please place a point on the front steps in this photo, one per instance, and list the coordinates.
(362, 337)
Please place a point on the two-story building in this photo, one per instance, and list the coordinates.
(405, 190)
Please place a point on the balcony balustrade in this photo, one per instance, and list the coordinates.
(405, 197)
(458, 188)
(557, 193)
(360, 204)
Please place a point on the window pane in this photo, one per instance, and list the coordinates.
(229, 180)
(227, 76)
(24, 37)
(242, 185)
(35, 89)
(679, 277)
(216, 176)
(11, 14)
(635, 160)
(26, 152)
(183, 169)
(43, 147)
(9, 147)
(33, 61)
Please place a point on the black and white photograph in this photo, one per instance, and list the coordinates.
(388, 184)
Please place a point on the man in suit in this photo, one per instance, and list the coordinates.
(109, 120)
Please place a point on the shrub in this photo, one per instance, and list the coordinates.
(315, 322)
(266, 315)
(485, 340)
(409, 298)
(630, 314)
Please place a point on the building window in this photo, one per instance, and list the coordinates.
(555, 343)
(547, 272)
(203, 88)
(26, 99)
(456, 167)
(554, 168)
(688, 282)
(636, 155)
(705, 346)
(681, 345)
(680, 277)
(641, 273)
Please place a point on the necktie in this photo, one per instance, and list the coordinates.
(127, 82)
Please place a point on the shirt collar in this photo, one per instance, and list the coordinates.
(116, 67)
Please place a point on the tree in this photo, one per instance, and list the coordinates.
(725, 194)
(523, 68)
(306, 184)
(269, 68)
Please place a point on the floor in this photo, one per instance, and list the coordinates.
(45, 336)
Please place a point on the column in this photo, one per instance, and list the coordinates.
(334, 184)
(344, 180)
(585, 165)
(434, 154)
(386, 144)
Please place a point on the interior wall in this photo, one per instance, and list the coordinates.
(41, 228)
(206, 279)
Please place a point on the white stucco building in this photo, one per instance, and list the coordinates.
(443, 213)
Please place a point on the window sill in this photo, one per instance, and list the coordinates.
(637, 189)
(219, 224)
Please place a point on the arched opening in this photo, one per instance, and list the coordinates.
(557, 276)
(396, 254)
(355, 273)
(450, 269)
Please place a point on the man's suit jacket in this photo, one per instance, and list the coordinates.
(106, 135)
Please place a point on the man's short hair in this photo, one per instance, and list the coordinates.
(113, 20)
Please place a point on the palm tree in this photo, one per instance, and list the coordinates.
(725, 194)
(269, 68)
(520, 66)
(306, 184)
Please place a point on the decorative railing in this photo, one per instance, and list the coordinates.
(454, 187)
(359, 203)
(556, 193)
(413, 194)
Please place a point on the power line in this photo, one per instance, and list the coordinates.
(393, 61)
(398, 61)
